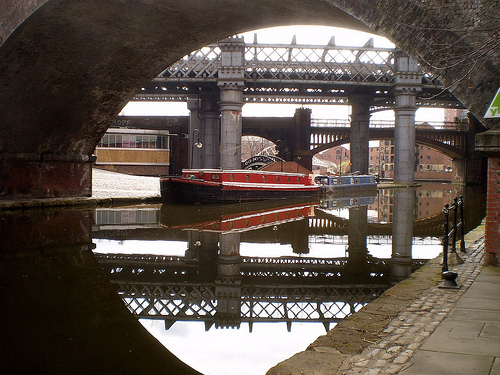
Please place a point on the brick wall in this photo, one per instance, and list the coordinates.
(493, 213)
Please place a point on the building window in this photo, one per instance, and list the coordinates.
(150, 141)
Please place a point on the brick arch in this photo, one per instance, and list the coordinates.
(68, 69)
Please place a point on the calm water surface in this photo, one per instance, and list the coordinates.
(227, 289)
(240, 288)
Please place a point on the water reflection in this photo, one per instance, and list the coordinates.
(60, 314)
(232, 266)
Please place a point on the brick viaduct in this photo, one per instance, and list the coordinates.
(68, 67)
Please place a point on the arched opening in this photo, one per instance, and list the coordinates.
(103, 55)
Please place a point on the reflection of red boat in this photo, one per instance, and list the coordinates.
(235, 218)
(216, 185)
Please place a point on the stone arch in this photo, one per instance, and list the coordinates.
(68, 68)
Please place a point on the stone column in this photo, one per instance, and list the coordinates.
(360, 132)
(302, 138)
(408, 82)
(195, 132)
(231, 83)
(210, 119)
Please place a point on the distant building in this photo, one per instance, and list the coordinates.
(430, 164)
(329, 161)
(143, 146)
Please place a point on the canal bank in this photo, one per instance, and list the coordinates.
(417, 327)
(108, 189)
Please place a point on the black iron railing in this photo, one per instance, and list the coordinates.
(456, 211)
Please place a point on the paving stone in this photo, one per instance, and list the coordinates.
(434, 363)
(408, 348)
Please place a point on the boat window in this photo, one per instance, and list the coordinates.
(288, 179)
(264, 178)
(231, 177)
(215, 176)
(277, 178)
(247, 177)
(298, 180)
(357, 180)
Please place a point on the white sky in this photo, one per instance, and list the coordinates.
(313, 35)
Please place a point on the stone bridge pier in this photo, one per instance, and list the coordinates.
(408, 84)
(360, 132)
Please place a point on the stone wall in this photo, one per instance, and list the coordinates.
(13, 13)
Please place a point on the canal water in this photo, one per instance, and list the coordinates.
(226, 289)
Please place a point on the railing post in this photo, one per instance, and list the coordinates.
(446, 212)
(454, 230)
(462, 225)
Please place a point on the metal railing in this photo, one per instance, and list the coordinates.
(457, 212)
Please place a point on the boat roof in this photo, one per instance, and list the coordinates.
(252, 171)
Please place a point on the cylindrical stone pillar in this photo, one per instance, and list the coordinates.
(360, 133)
(231, 104)
(231, 82)
(404, 138)
(408, 82)
(210, 119)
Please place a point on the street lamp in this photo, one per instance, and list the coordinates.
(198, 143)
(195, 157)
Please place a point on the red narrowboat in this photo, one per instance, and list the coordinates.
(239, 185)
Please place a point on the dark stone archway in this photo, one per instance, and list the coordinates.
(68, 69)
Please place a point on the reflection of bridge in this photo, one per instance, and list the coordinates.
(144, 224)
(265, 289)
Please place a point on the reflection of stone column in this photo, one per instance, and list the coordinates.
(300, 239)
(402, 232)
(231, 82)
(203, 248)
(360, 132)
(358, 251)
(228, 282)
(408, 82)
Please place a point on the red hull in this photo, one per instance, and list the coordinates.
(216, 186)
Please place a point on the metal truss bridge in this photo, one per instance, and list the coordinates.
(299, 74)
